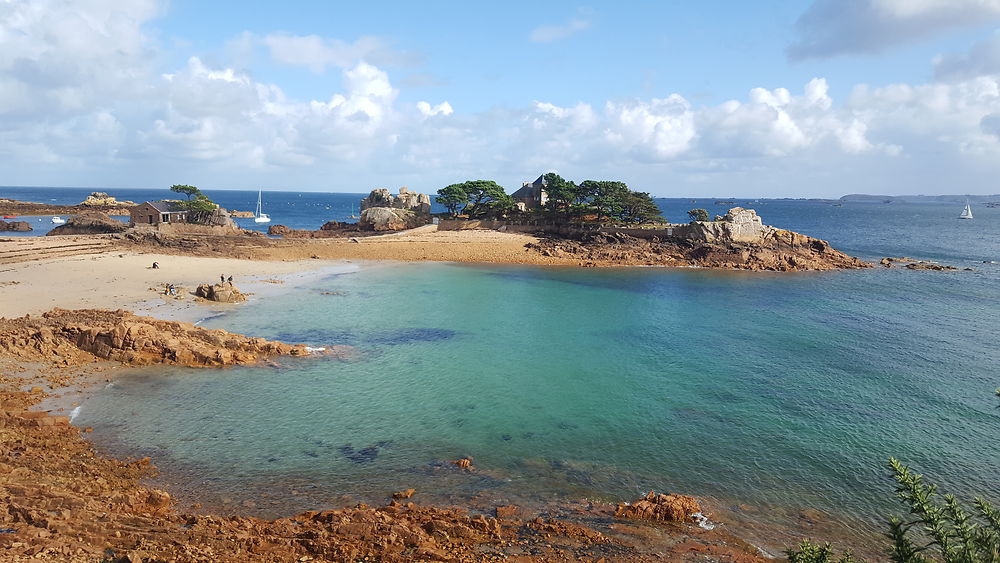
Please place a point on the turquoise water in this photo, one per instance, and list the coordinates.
(782, 391)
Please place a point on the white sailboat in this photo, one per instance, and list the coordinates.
(967, 212)
(58, 220)
(259, 216)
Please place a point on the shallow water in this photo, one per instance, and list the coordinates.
(782, 391)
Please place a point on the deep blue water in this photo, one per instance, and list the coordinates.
(779, 391)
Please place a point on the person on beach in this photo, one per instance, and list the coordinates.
(230, 280)
(222, 278)
(156, 265)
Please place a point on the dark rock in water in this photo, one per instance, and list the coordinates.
(407, 335)
(89, 223)
(319, 337)
(15, 226)
(363, 455)
(505, 437)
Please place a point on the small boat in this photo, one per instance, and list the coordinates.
(352, 215)
(967, 212)
(58, 220)
(10, 217)
(259, 216)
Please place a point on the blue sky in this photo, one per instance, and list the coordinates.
(771, 98)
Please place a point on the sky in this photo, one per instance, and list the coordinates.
(773, 98)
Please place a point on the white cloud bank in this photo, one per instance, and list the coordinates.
(67, 117)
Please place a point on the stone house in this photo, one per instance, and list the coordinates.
(531, 195)
(156, 212)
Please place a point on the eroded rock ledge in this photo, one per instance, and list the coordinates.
(738, 241)
(74, 337)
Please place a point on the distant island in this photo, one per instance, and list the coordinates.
(953, 198)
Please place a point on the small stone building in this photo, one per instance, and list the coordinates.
(531, 195)
(156, 212)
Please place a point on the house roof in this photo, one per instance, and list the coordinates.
(529, 191)
(167, 206)
(540, 181)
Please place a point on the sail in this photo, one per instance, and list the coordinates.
(966, 213)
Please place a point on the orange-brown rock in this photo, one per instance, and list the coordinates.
(668, 508)
(80, 336)
(220, 292)
(403, 494)
(464, 463)
(777, 251)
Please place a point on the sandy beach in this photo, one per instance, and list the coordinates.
(110, 275)
(126, 280)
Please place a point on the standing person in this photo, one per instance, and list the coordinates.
(222, 278)
(230, 280)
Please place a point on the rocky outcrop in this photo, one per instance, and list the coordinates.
(740, 241)
(914, 264)
(783, 251)
(330, 229)
(89, 223)
(738, 225)
(411, 201)
(382, 211)
(667, 508)
(101, 199)
(388, 219)
(86, 335)
(241, 214)
(15, 226)
(14, 207)
(220, 292)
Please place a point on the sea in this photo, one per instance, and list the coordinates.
(776, 398)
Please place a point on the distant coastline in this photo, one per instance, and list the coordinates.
(921, 198)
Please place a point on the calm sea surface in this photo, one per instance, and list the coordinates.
(778, 392)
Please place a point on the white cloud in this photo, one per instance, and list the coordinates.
(549, 33)
(75, 119)
(317, 53)
(835, 27)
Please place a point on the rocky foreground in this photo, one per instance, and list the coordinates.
(739, 241)
(61, 501)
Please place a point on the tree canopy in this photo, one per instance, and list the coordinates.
(482, 198)
(605, 199)
(189, 191)
(698, 215)
(453, 198)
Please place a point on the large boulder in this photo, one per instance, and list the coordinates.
(220, 292)
(101, 199)
(412, 201)
(738, 225)
(388, 219)
(15, 226)
(89, 223)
